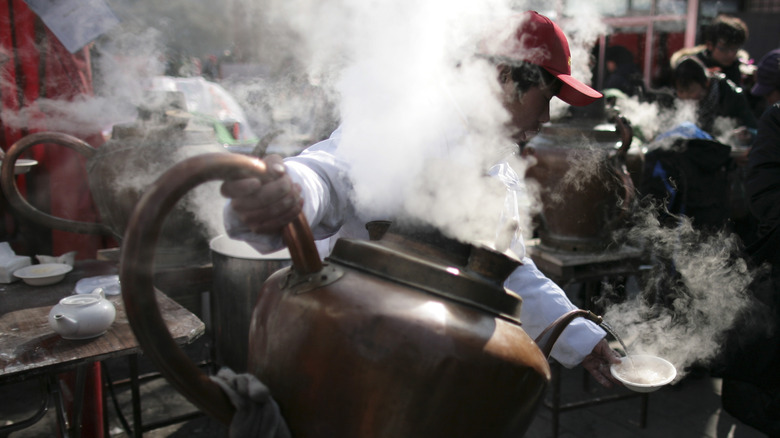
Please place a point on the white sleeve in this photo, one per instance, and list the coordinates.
(543, 303)
(326, 190)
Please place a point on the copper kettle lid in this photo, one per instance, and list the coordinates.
(163, 119)
(580, 127)
(424, 259)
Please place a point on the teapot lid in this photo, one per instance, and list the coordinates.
(468, 274)
(80, 300)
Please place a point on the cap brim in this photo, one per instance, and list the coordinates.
(760, 89)
(576, 93)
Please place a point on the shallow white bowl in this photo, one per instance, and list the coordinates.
(43, 274)
(22, 165)
(644, 373)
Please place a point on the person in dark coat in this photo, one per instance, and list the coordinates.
(767, 86)
(622, 72)
(722, 48)
(716, 97)
(751, 382)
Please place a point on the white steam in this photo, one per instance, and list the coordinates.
(421, 116)
(684, 319)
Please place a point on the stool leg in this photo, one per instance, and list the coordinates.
(138, 429)
(556, 396)
(59, 406)
(643, 411)
(592, 290)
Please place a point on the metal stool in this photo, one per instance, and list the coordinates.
(590, 269)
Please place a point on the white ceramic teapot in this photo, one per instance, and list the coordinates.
(82, 316)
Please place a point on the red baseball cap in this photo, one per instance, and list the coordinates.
(540, 41)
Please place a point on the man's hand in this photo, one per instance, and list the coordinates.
(267, 205)
(598, 361)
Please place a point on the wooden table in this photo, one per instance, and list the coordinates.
(29, 348)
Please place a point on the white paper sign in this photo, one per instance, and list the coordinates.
(75, 22)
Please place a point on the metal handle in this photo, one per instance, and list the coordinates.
(17, 201)
(626, 132)
(619, 167)
(546, 339)
(136, 269)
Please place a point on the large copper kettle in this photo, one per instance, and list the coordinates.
(582, 166)
(118, 173)
(388, 338)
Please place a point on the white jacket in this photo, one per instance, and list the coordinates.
(326, 192)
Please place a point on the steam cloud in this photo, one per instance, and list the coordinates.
(686, 319)
(402, 74)
(421, 115)
(410, 81)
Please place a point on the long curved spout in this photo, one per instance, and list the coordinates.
(546, 339)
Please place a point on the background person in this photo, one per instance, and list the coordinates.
(316, 182)
(767, 84)
(716, 97)
(722, 48)
(751, 382)
(622, 72)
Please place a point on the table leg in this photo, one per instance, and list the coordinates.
(78, 401)
(555, 369)
(104, 401)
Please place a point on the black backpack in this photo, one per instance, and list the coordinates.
(691, 178)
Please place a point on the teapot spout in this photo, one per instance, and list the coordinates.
(546, 339)
(65, 325)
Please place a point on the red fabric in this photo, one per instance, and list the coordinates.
(34, 64)
(39, 66)
(92, 403)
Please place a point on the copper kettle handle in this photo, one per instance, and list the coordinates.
(17, 201)
(626, 133)
(137, 262)
(546, 339)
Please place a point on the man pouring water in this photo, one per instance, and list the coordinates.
(532, 66)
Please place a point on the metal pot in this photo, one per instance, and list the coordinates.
(388, 338)
(586, 188)
(118, 172)
(238, 270)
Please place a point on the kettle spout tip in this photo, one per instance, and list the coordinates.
(598, 319)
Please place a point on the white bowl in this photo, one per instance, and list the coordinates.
(43, 274)
(22, 165)
(644, 373)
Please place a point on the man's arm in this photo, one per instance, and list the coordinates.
(543, 302)
(315, 182)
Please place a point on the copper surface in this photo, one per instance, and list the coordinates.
(586, 188)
